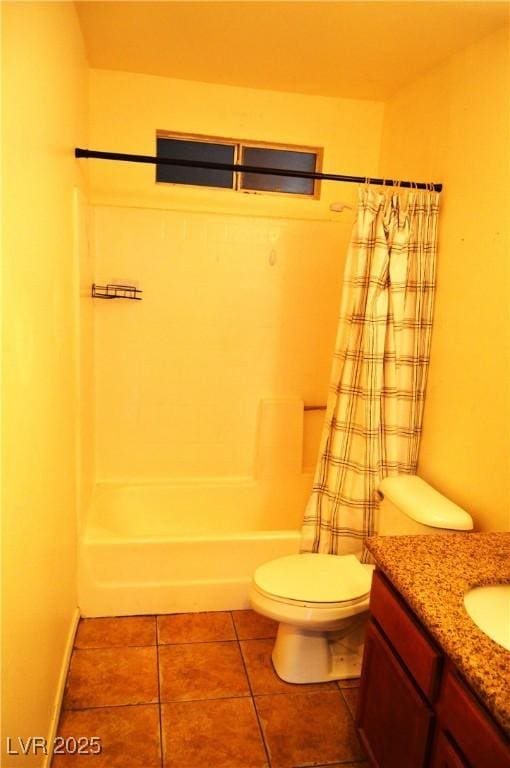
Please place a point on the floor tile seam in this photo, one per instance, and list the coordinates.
(236, 633)
(348, 683)
(112, 706)
(281, 693)
(197, 642)
(129, 616)
(208, 698)
(161, 755)
(113, 647)
(345, 763)
(259, 724)
(296, 693)
(353, 718)
(240, 639)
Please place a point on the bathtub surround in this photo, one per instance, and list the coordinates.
(183, 379)
(196, 541)
(375, 407)
(239, 309)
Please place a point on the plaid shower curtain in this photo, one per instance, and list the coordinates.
(375, 406)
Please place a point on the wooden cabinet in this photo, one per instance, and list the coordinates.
(418, 653)
(445, 753)
(467, 725)
(395, 722)
(395, 718)
(414, 709)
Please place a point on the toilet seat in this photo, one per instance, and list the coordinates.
(363, 600)
(321, 604)
(315, 581)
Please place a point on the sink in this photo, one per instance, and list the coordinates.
(489, 607)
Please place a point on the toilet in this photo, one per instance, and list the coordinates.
(321, 601)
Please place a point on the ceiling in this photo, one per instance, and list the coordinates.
(364, 50)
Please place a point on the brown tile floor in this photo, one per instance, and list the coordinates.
(198, 690)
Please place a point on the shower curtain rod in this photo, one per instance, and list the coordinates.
(78, 152)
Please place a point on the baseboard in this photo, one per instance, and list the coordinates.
(66, 660)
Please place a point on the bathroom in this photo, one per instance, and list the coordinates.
(207, 394)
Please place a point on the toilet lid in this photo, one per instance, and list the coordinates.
(315, 578)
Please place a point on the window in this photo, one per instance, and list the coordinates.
(185, 149)
(217, 150)
(278, 158)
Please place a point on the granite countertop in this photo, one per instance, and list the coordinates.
(433, 573)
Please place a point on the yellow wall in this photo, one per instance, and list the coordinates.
(44, 103)
(127, 109)
(84, 345)
(180, 375)
(453, 126)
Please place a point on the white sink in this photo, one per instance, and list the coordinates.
(489, 607)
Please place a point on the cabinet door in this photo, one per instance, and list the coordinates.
(468, 725)
(394, 721)
(414, 647)
(445, 755)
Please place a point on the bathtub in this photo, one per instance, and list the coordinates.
(182, 546)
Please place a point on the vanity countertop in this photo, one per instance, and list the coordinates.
(433, 573)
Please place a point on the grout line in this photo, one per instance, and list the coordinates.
(199, 642)
(235, 639)
(112, 647)
(347, 705)
(266, 748)
(155, 703)
(162, 759)
(352, 716)
(300, 691)
(209, 698)
(127, 616)
(113, 706)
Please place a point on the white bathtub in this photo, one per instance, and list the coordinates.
(184, 546)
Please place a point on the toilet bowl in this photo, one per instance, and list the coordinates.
(321, 604)
(321, 601)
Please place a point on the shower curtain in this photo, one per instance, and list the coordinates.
(375, 405)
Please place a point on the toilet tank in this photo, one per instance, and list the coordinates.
(410, 506)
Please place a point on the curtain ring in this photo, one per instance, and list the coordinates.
(397, 192)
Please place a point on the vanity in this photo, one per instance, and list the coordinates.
(435, 689)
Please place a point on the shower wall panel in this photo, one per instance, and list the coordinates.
(236, 310)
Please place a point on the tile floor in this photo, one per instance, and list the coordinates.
(198, 690)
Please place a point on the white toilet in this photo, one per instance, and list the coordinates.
(321, 601)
